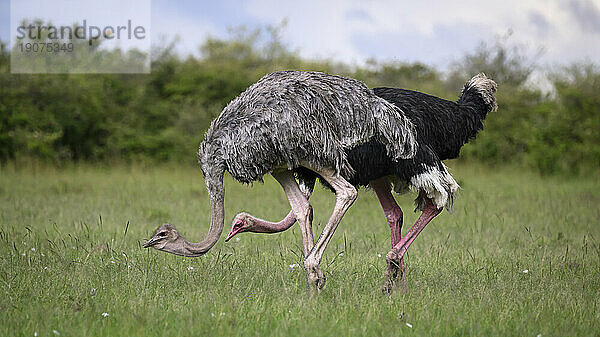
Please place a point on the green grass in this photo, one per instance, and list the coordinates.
(68, 256)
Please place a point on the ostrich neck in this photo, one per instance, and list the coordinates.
(193, 249)
(264, 226)
(214, 183)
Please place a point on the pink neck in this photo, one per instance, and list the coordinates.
(264, 226)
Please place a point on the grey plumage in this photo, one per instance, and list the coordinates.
(292, 117)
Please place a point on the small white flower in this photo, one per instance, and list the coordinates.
(112, 261)
(212, 314)
(539, 335)
(23, 254)
(525, 271)
(378, 255)
(42, 254)
(190, 268)
(222, 314)
(56, 332)
(293, 265)
(105, 314)
(237, 239)
(341, 254)
(409, 325)
(45, 268)
(33, 249)
(35, 334)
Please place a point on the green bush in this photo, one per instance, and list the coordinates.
(163, 116)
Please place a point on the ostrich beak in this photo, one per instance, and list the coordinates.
(233, 232)
(150, 242)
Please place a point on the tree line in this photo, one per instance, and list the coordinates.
(162, 116)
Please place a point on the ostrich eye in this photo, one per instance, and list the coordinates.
(161, 234)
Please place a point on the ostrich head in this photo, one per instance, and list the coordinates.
(243, 222)
(167, 238)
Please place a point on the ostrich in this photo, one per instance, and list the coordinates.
(309, 125)
(441, 125)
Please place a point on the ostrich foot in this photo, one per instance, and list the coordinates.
(395, 268)
(315, 281)
(314, 277)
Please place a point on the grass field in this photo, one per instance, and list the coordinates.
(520, 256)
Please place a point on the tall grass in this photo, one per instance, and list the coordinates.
(520, 256)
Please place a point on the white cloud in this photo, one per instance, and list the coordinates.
(434, 31)
(317, 28)
(95, 13)
(169, 21)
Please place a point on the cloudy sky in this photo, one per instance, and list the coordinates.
(434, 32)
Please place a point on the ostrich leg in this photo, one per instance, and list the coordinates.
(397, 252)
(301, 208)
(345, 196)
(393, 214)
